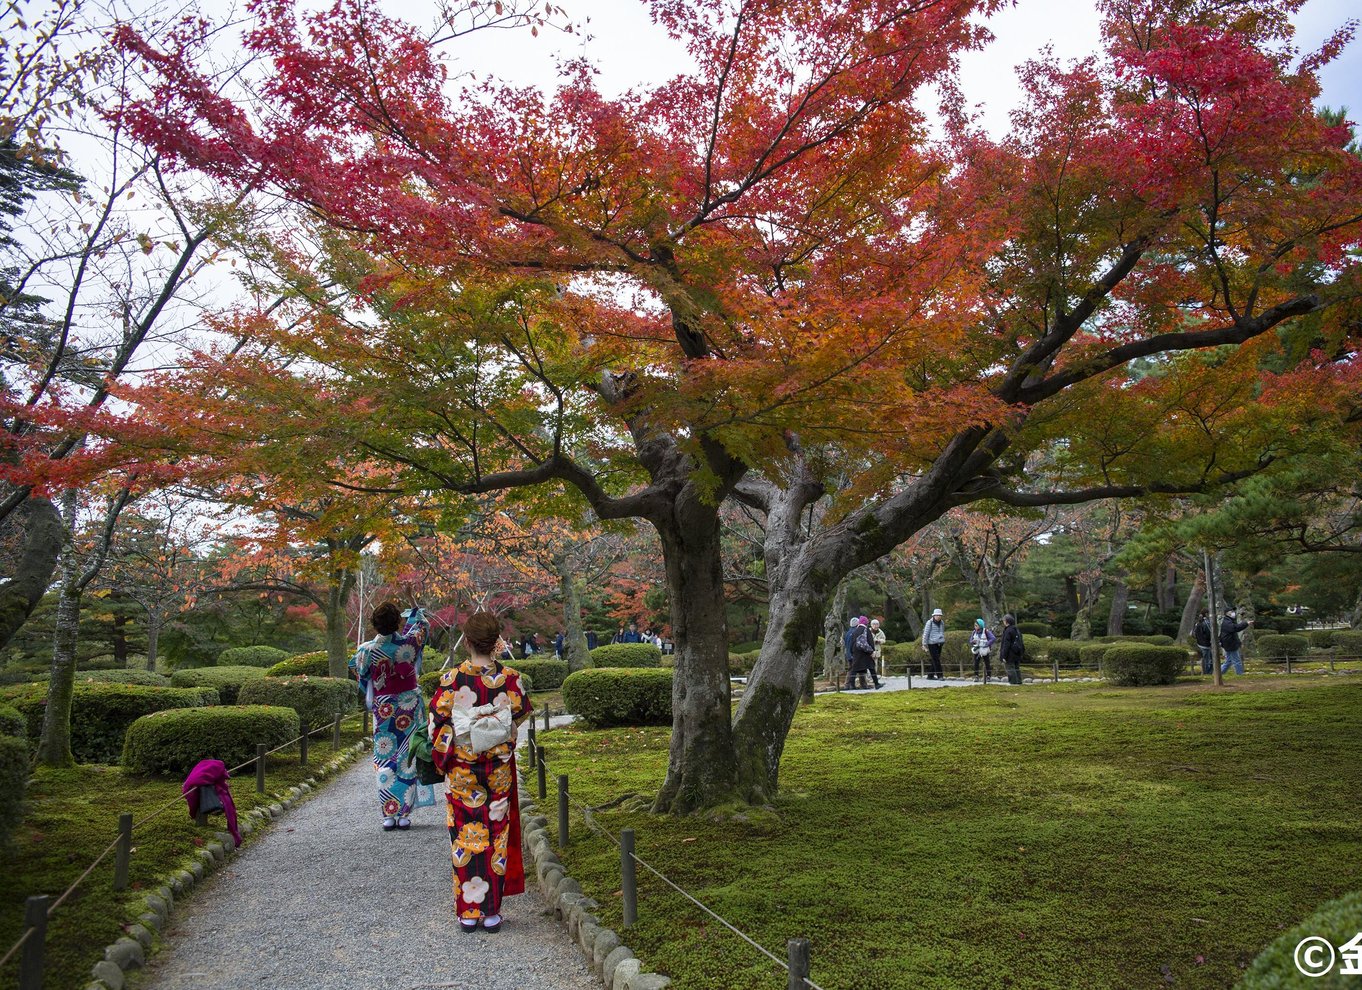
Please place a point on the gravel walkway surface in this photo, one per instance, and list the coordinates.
(327, 899)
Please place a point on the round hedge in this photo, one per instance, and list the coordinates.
(227, 680)
(1091, 655)
(627, 655)
(1064, 652)
(251, 656)
(101, 713)
(146, 677)
(13, 780)
(1138, 665)
(1277, 647)
(741, 664)
(317, 700)
(173, 741)
(1275, 968)
(607, 696)
(1322, 638)
(545, 674)
(12, 722)
(1348, 642)
(313, 664)
(1039, 630)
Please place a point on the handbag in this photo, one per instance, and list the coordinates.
(423, 756)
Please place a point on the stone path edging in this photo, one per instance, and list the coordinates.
(130, 951)
(603, 948)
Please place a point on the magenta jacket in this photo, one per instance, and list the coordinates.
(211, 773)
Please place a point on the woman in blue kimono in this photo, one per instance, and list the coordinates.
(388, 667)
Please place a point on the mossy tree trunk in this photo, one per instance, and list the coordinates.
(833, 658)
(341, 582)
(575, 652)
(155, 620)
(43, 539)
(1120, 599)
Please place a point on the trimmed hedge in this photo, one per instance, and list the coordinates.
(13, 780)
(1139, 665)
(173, 741)
(317, 700)
(313, 664)
(227, 680)
(1322, 638)
(626, 655)
(545, 674)
(1275, 968)
(148, 678)
(251, 656)
(1277, 647)
(1092, 654)
(1064, 652)
(12, 722)
(1348, 642)
(604, 697)
(101, 713)
(1039, 630)
(741, 664)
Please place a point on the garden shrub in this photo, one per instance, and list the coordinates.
(1348, 642)
(12, 722)
(545, 674)
(609, 696)
(741, 664)
(1090, 654)
(1322, 638)
(1040, 630)
(313, 664)
(1064, 652)
(130, 676)
(173, 741)
(1277, 647)
(626, 655)
(1139, 664)
(101, 713)
(956, 652)
(227, 680)
(317, 700)
(107, 662)
(897, 656)
(251, 656)
(13, 780)
(748, 647)
(1336, 922)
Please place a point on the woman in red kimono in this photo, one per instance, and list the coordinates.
(484, 808)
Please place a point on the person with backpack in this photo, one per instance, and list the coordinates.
(933, 639)
(862, 658)
(1230, 629)
(1201, 632)
(981, 642)
(1013, 649)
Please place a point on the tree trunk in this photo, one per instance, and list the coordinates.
(154, 622)
(120, 640)
(341, 583)
(832, 633)
(576, 654)
(54, 744)
(1120, 599)
(1193, 606)
(43, 538)
(1089, 591)
(701, 770)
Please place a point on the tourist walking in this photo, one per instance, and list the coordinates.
(861, 660)
(933, 639)
(877, 639)
(387, 668)
(1012, 649)
(476, 714)
(981, 642)
(1230, 629)
(1201, 632)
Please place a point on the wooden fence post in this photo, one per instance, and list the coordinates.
(532, 743)
(31, 962)
(260, 768)
(335, 732)
(123, 854)
(562, 810)
(628, 879)
(797, 950)
(543, 776)
(302, 748)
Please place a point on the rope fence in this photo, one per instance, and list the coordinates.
(40, 907)
(796, 965)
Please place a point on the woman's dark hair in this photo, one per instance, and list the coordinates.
(482, 630)
(386, 618)
(1009, 621)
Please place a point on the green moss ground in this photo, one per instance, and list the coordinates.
(1067, 836)
(71, 815)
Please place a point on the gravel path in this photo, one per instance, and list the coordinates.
(326, 899)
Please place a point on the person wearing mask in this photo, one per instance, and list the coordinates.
(476, 715)
(1201, 632)
(933, 639)
(981, 642)
(1012, 650)
(1230, 629)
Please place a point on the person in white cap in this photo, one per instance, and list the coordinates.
(933, 639)
(877, 638)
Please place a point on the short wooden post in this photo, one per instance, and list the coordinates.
(543, 775)
(1055, 665)
(628, 879)
(302, 748)
(1288, 663)
(797, 950)
(365, 721)
(546, 718)
(201, 819)
(335, 732)
(123, 854)
(532, 744)
(562, 810)
(31, 962)
(260, 768)
(922, 665)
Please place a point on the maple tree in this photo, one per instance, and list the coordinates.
(758, 277)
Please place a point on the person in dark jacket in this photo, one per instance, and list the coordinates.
(1013, 649)
(1230, 629)
(861, 656)
(848, 646)
(1201, 632)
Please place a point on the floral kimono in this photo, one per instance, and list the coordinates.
(387, 666)
(484, 808)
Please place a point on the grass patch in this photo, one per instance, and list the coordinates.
(72, 814)
(1038, 836)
